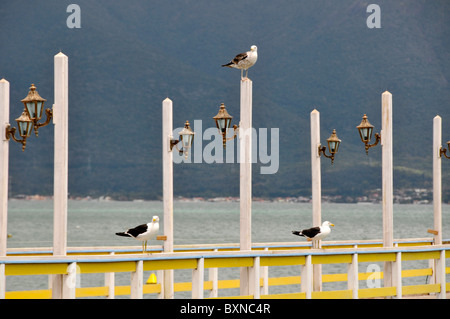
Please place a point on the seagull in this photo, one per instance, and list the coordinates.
(143, 232)
(244, 61)
(315, 233)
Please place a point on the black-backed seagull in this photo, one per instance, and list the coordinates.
(244, 61)
(315, 233)
(143, 232)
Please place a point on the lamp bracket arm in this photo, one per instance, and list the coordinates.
(235, 133)
(377, 140)
(443, 151)
(238, 131)
(173, 143)
(10, 132)
(322, 150)
(49, 115)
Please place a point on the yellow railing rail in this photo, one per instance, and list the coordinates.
(40, 264)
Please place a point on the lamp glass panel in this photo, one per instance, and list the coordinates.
(224, 125)
(366, 134)
(24, 128)
(221, 123)
(337, 147)
(39, 109)
(186, 139)
(31, 110)
(332, 147)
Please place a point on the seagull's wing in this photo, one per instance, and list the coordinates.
(311, 232)
(238, 58)
(134, 232)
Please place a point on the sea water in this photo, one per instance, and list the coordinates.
(95, 222)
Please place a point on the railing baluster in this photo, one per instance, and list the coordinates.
(213, 276)
(198, 279)
(353, 282)
(397, 274)
(440, 275)
(306, 275)
(137, 281)
(110, 282)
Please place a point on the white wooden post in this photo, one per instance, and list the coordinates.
(440, 275)
(167, 121)
(2, 282)
(245, 154)
(265, 278)
(4, 157)
(315, 169)
(160, 281)
(70, 282)
(352, 275)
(60, 120)
(198, 275)
(316, 190)
(387, 180)
(255, 274)
(110, 282)
(137, 281)
(61, 130)
(397, 275)
(437, 179)
(306, 277)
(213, 276)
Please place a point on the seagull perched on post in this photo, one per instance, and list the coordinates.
(315, 233)
(143, 232)
(244, 61)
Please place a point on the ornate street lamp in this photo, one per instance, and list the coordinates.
(365, 132)
(34, 105)
(223, 122)
(32, 113)
(333, 146)
(186, 137)
(443, 151)
(25, 124)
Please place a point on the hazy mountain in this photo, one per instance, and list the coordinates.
(128, 56)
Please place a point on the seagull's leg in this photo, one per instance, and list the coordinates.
(246, 74)
(150, 253)
(242, 74)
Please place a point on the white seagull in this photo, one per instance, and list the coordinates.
(315, 233)
(244, 61)
(143, 232)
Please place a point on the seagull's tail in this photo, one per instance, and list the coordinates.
(123, 234)
(298, 233)
(228, 64)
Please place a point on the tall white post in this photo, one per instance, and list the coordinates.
(4, 155)
(437, 179)
(387, 180)
(316, 188)
(60, 120)
(61, 160)
(167, 159)
(245, 154)
(315, 169)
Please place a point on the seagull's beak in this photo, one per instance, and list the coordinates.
(331, 224)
